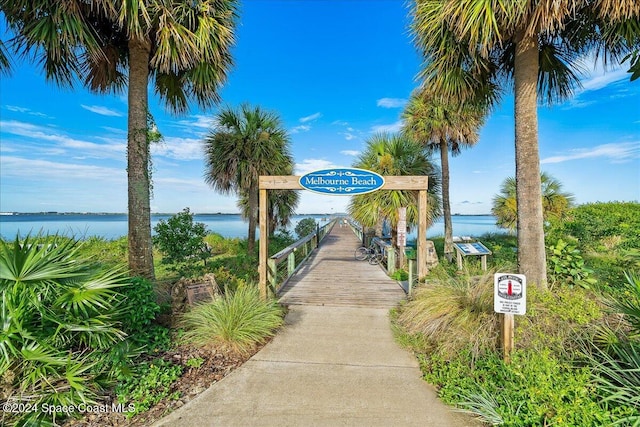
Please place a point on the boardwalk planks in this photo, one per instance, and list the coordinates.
(333, 277)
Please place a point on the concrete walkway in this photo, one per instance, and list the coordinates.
(329, 366)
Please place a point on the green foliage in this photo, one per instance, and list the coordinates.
(555, 202)
(566, 266)
(194, 362)
(627, 302)
(181, 241)
(601, 227)
(58, 316)
(305, 227)
(535, 389)
(238, 320)
(279, 241)
(400, 275)
(149, 385)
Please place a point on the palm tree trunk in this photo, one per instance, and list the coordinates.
(531, 251)
(446, 205)
(140, 249)
(253, 220)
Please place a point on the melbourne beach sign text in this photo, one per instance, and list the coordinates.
(347, 181)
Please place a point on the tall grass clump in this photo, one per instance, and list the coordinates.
(453, 312)
(58, 314)
(237, 320)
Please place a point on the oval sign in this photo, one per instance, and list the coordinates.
(344, 182)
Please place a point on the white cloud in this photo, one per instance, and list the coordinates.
(616, 153)
(350, 152)
(47, 170)
(309, 165)
(103, 111)
(390, 128)
(301, 128)
(391, 102)
(179, 148)
(112, 149)
(17, 109)
(310, 118)
(340, 123)
(601, 79)
(349, 136)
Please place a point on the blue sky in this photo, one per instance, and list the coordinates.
(336, 72)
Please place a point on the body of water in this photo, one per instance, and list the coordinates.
(113, 226)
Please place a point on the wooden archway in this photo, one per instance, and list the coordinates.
(416, 183)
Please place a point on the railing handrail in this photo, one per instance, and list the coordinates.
(288, 254)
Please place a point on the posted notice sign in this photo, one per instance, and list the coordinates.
(510, 293)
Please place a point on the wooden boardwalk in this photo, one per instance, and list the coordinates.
(333, 277)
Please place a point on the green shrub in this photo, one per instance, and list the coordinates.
(566, 266)
(535, 389)
(305, 227)
(400, 275)
(58, 315)
(181, 241)
(149, 385)
(238, 320)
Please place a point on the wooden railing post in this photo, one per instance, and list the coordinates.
(391, 260)
(273, 274)
(291, 261)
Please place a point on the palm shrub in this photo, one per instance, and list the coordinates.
(616, 365)
(238, 320)
(57, 312)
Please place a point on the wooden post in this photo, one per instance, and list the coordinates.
(291, 263)
(459, 258)
(483, 262)
(272, 273)
(422, 234)
(507, 337)
(264, 243)
(391, 260)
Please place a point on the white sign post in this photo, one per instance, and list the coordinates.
(401, 230)
(509, 298)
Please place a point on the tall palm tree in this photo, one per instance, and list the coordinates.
(183, 48)
(555, 202)
(395, 154)
(472, 45)
(246, 142)
(443, 125)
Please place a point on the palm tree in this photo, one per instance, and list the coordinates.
(471, 46)
(246, 143)
(442, 125)
(182, 47)
(395, 155)
(555, 202)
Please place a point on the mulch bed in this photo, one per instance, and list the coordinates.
(217, 363)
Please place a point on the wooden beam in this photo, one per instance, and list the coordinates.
(264, 243)
(287, 182)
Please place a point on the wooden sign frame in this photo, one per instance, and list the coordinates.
(290, 182)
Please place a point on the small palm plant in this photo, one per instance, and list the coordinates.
(57, 313)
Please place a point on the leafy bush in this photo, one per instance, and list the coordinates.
(400, 275)
(601, 227)
(566, 266)
(535, 389)
(181, 241)
(149, 385)
(305, 227)
(58, 314)
(238, 320)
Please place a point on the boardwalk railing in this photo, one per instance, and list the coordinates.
(279, 271)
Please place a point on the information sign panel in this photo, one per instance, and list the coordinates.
(510, 293)
(475, 248)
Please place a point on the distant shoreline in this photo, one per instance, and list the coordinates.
(52, 213)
